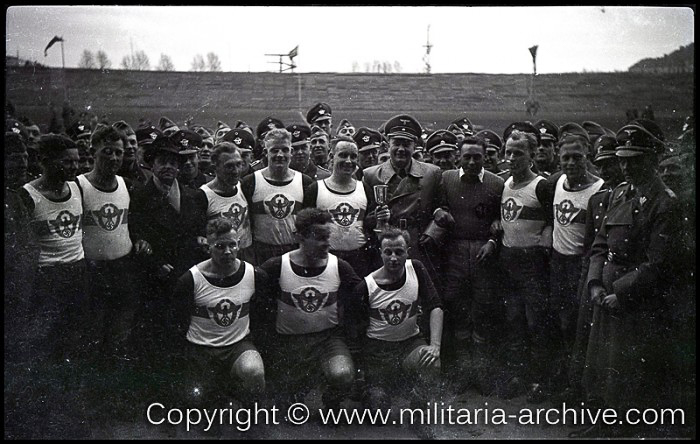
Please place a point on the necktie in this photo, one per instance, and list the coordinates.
(401, 173)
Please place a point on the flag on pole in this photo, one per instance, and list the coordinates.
(294, 52)
(53, 40)
(533, 51)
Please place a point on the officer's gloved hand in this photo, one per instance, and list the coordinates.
(444, 219)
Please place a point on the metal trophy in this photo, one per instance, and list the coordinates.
(380, 199)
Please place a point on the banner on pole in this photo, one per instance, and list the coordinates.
(533, 51)
(53, 40)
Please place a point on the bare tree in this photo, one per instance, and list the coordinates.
(213, 62)
(386, 67)
(368, 67)
(87, 60)
(139, 62)
(397, 66)
(355, 66)
(102, 60)
(198, 63)
(165, 64)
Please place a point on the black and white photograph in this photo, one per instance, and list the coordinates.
(349, 222)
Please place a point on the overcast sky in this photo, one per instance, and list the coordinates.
(330, 39)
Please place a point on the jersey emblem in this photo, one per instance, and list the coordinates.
(565, 212)
(510, 210)
(279, 206)
(65, 224)
(344, 214)
(236, 213)
(395, 313)
(108, 217)
(225, 312)
(310, 299)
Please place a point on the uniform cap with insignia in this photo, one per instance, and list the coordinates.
(167, 126)
(525, 127)
(441, 140)
(300, 133)
(15, 126)
(266, 125)
(147, 134)
(343, 128)
(548, 130)
(650, 126)
(572, 129)
(491, 139)
(367, 139)
(188, 141)
(462, 124)
(635, 140)
(316, 132)
(595, 130)
(221, 129)
(241, 138)
(79, 130)
(403, 126)
(161, 143)
(320, 111)
(605, 148)
(244, 126)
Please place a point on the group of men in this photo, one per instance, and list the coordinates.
(552, 261)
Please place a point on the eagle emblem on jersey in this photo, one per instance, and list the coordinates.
(510, 210)
(236, 213)
(65, 224)
(279, 206)
(225, 312)
(310, 299)
(565, 212)
(395, 312)
(344, 214)
(108, 217)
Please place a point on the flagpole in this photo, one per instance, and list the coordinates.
(65, 81)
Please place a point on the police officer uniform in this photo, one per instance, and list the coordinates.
(300, 136)
(367, 140)
(627, 359)
(244, 141)
(494, 147)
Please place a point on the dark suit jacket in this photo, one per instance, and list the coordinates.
(172, 235)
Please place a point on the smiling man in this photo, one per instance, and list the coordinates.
(275, 194)
(110, 253)
(130, 166)
(301, 153)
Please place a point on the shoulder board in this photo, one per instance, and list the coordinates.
(670, 193)
(603, 191)
(255, 163)
(323, 169)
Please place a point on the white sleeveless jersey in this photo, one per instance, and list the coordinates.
(221, 315)
(348, 212)
(393, 315)
(570, 209)
(58, 227)
(522, 216)
(273, 209)
(307, 304)
(105, 221)
(234, 208)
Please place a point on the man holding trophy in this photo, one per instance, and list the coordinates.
(405, 189)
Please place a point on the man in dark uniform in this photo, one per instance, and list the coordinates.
(244, 141)
(190, 174)
(442, 145)
(595, 130)
(345, 128)
(130, 169)
(320, 147)
(167, 126)
(493, 162)
(546, 156)
(368, 142)
(320, 115)
(205, 164)
(412, 186)
(627, 362)
(145, 135)
(301, 153)
(461, 127)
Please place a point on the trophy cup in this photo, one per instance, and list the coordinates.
(380, 198)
